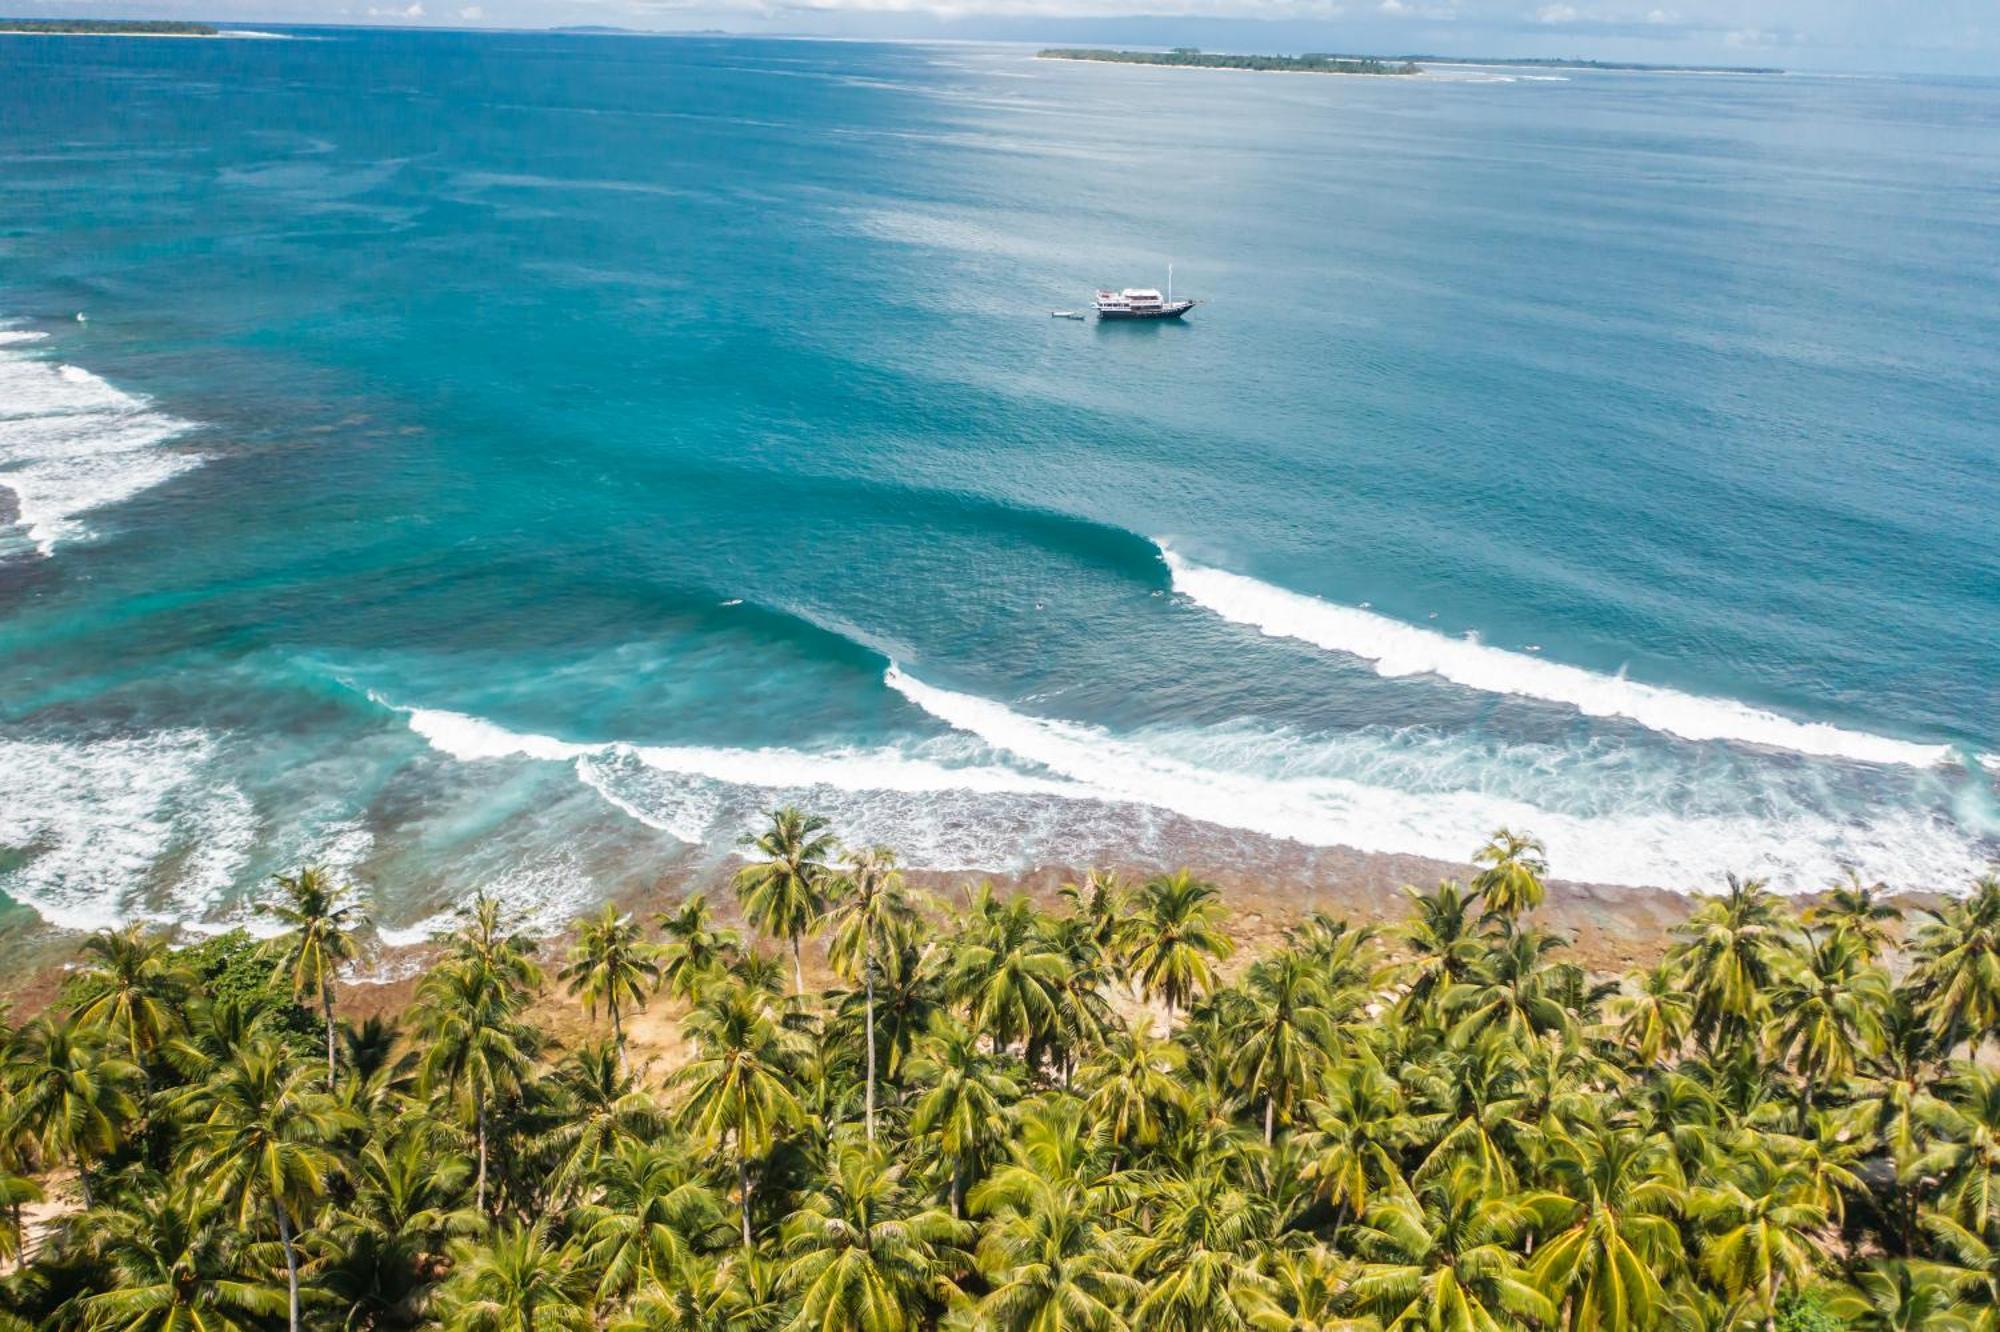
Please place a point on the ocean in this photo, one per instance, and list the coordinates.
(517, 460)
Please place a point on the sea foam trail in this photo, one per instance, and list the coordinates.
(70, 443)
(1642, 845)
(1397, 649)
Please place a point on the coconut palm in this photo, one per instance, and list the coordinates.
(611, 964)
(375, 1254)
(1890, 1296)
(1133, 1088)
(1201, 1254)
(131, 988)
(1957, 971)
(16, 1191)
(1359, 1128)
(1760, 1226)
(1177, 938)
(1100, 902)
(651, 1215)
(1283, 1039)
(318, 940)
(1051, 1262)
(695, 950)
(599, 1106)
(1511, 880)
(1655, 1020)
(862, 1254)
(1729, 951)
(962, 1105)
(735, 1091)
(1964, 1124)
(260, 1134)
(176, 1263)
(870, 909)
(1439, 936)
(1825, 1015)
(1507, 991)
(514, 1281)
(784, 893)
(1443, 1258)
(1858, 911)
(1611, 1236)
(478, 1050)
(68, 1095)
(1007, 972)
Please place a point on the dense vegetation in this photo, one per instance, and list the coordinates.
(111, 27)
(1009, 1118)
(1193, 59)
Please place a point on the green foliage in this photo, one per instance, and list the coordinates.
(1003, 1118)
(1192, 57)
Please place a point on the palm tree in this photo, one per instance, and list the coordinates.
(1133, 1088)
(1858, 911)
(318, 940)
(1657, 1018)
(870, 910)
(1283, 1038)
(1965, 1155)
(1440, 939)
(378, 1253)
(260, 1136)
(651, 1216)
(1051, 1262)
(1511, 881)
(514, 1282)
(963, 1106)
(68, 1095)
(15, 1192)
(695, 950)
(1101, 904)
(1177, 938)
(784, 894)
(176, 1264)
(478, 1050)
(1507, 991)
(1612, 1239)
(1478, 1103)
(599, 1106)
(1900, 1297)
(1201, 1254)
(131, 987)
(1359, 1128)
(1957, 971)
(611, 964)
(1825, 1014)
(1760, 1226)
(735, 1091)
(1730, 950)
(862, 1255)
(1443, 1258)
(1008, 972)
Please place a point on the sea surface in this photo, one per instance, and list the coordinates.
(516, 460)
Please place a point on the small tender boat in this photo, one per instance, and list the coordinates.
(1065, 314)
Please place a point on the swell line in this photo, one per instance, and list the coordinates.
(1398, 649)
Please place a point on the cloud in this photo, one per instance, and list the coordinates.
(1556, 14)
(413, 12)
(472, 12)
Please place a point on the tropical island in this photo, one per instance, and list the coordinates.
(1188, 57)
(79, 27)
(859, 1107)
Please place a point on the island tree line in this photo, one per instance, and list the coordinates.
(1007, 1117)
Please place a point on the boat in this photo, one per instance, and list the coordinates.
(1142, 302)
(1065, 314)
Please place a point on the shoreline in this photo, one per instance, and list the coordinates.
(1390, 75)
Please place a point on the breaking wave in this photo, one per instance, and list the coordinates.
(71, 443)
(1397, 649)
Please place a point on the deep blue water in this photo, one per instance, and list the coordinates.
(517, 459)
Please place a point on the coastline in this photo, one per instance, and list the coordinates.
(1389, 75)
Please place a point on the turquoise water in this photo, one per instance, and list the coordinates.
(517, 459)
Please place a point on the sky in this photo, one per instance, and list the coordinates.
(1915, 36)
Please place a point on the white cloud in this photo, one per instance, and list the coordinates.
(1556, 14)
(413, 12)
(1661, 16)
(472, 12)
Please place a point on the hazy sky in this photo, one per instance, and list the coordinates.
(1960, 36)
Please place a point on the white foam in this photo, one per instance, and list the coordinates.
(106, 831)
(1398, 649)
(71, 443)
(1636, 842)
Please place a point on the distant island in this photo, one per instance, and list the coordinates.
(1569, 62)
(1190, 58)
(78, 27)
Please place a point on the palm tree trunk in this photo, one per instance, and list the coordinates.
(798, 968)
(291, 1260)
(743, 1192)
(479, 1192)
(83, 1182)
(1270, 1116)
(618, 1035)
(326, 1007)
(869, 965)
(957, 1190)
